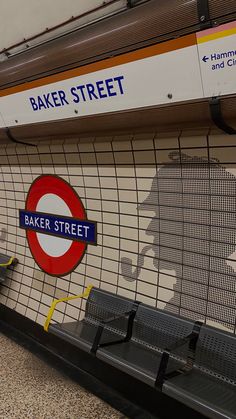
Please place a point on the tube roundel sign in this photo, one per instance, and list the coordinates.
(56, 225)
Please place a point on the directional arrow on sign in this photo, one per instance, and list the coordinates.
(205, 59)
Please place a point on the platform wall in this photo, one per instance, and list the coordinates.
(166, 203)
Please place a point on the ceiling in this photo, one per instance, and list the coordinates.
(22, 19)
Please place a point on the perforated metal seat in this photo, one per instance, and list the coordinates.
(136, 360)
(193, 363)
(101, 305)
(210, 387)
(153, 331)
(81, 334)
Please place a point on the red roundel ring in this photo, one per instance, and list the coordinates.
(66, 263)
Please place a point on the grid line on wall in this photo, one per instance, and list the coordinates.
(170, 198)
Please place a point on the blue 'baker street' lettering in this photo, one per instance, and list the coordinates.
(69, 228)
(101, 89)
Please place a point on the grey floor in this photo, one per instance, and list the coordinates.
(29, 388)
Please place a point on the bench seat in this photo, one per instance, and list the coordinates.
(134, 359)
(82, 334)
(186, 360)
(210, 387)
(153, 331)
(101, 305)
(204, 393)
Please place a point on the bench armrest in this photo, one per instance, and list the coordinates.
(12, 261)
(191, 339)
(130, 314)
(62, 300)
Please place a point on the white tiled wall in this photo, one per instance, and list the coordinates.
(172, 200)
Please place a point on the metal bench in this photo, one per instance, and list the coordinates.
(153, 331)
(5, 263)
(190, 362)
(107, 318)
(210, 387)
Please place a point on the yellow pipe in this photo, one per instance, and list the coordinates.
(3, 265)
(62, 300)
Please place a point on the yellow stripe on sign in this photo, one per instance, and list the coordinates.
(62, 300)
(216, 35)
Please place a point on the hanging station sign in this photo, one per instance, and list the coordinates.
(56, 225)
(217, 52)
(191, 67)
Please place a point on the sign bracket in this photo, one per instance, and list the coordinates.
(204, 14)
(13, 139)
(217, 117)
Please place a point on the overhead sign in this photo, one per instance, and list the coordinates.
(56, 225)
(191, 67)
(159, 74)
(217, 52)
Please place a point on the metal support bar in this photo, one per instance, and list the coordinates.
(162, 369)
(131, 315)
(97, 338)
(101, 326)
(192, 339)
(12, 261)
(85, 294)
(204, 14)
(192, 348)
(13, 139)
(130, 324)
(131, 3)
(217, 117)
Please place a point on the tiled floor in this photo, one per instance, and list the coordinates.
(30, 388)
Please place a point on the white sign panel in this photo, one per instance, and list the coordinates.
(217, 53)
(193, 67)
(164, 78)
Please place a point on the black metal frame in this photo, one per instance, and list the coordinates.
(204, 14)
(131, 3)
(3, 269)
(130, 314)
(14, 262)
(217, 117)
(192, 338)
(14, 140)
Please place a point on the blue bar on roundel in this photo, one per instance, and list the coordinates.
(57, 225)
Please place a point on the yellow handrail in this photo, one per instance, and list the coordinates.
(2, 265)
(62, 300)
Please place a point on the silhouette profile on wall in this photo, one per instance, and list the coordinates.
(194, 235)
